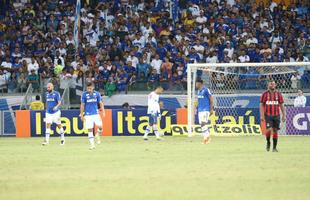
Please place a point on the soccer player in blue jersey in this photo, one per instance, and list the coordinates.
(89, 113)
(204, 108)
(53, 101)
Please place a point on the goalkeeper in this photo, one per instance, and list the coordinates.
(204, 108)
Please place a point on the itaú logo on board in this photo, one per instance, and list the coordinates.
(301, 121)
(272, 102)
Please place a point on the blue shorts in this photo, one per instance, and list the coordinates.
(153, 119)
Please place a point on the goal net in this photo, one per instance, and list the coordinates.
(237, 87)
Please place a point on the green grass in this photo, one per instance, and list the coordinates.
(174, 169)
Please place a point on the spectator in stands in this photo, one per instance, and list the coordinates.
(129, 69)
(59, 57)
(3, 79)
(12, 83)
(89, 77)
(156, 64)
(295, 81)
(110, 87)
(33, 66)
(33, 79)
(229, 49)
(16, 64)
(300, 100)
(212, 57)
(55, 80)
(251, 40)
(58, 67)
(37, 104)
(175, 79)
(21, 80)
(52, 23)
(243, 57)
(166, 68)
(143, 68)
(302, 58)
(122, 81)
(79, 78)
(153, 79)
(194, 56)
(6, 65)
(132, 80)
(306, 49)
(99, 79)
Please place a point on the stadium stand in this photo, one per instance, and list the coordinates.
(137, 44)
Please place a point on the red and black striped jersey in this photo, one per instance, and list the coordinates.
(271, 102)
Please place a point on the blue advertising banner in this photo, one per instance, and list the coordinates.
(9, 125)
(134, 122)
(71, 122)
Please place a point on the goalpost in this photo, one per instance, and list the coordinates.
(239, 85)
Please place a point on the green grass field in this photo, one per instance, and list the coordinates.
(176, 168)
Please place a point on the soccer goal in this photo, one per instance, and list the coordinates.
(237, 87)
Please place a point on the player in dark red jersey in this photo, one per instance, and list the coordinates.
(271, 102)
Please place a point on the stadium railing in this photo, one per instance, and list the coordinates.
(27, 98)
(65, 99)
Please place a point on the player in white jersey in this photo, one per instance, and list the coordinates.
(153, 111)
(205, 109)
(89, 113)
(53, 101)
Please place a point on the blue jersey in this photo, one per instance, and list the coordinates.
(52, 99)
(91, 101)
(203, 96)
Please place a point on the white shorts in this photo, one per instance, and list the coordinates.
(203, 117)
(90, 120)
(53, 118)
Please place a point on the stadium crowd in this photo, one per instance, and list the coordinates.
(127, 41)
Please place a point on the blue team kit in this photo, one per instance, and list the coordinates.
(52, 99)
(91, 101)
(203, 96)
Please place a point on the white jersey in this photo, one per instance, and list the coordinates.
(153, 103)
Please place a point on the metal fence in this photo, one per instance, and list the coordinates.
(7, 123)
(65, 99)
(78, 85)
(27, 98)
